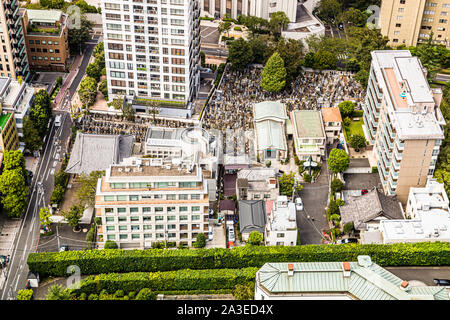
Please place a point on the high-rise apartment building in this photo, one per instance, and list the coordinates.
(258, 8)
(410, 22)
(13, 54)
(403, 121)
(152, 51)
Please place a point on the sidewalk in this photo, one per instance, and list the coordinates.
(69, 79)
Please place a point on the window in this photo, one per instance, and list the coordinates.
(110, 228)
(122, 219)
(159, 227)
(134, 198)
(183, 197)
(123, 236)
(108, 198)
(121, 198)
(109, 219)
(159, 209)
(183, 209)
(280, 235)
(134, 228)
(135, 236)
(159, 218)
(196, 208)
(134, 218)
(183, 217)
(196, 217)
(147, 227)
(111, 237)
(123, 228)
(146, 209)
(171, 218)
(146, 219)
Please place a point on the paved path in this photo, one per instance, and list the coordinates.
(69, 79)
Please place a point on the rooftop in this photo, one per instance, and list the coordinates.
(16, 90)
(284, 215)
(161, 136)
(432, 196)
(331, 114)
(308, 124)
(153, 167)
(4, 119)
(93, 152)
(417, 126)
(270, 135)
(252, 216)
(269, 109)
(256, 174)
(364, 281)
(45, 16)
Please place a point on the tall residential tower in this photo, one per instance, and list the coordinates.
(152, 51)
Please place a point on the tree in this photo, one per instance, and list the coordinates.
(128, 111)
(153, 110)
(79, 36)
(278, 22)
(25, 294)
(291, 51)
(362, 76)
(354, 17)
(43, 99)
(273, 77)
(56, 292)
(429, 55)
(103, 88)
(88, 186)
(224, 26)
(31, 136)
(348, 227)
(52, 4)
(145, 294)
(44, 217)
(40, 119)
(87, 91)
(328, 10)
(255, 238)
(57, 195)
(357, 141)
(286, 182)
(117, 103)
(324, 60)
(260, 49)
(240, 54)
(333, 209)
(109, 244)
(93, 70)
(14, 159)
(336, 185)
(14, 192)
(201, 241)
(338, 161)
(74, 215)
(346, 108)
(244, 291)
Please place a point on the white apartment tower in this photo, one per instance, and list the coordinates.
(152, 51)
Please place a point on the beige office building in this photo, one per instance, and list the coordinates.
(411, 22)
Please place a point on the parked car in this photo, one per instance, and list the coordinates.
(348, 240)
(442, 282)
(210, 233)
(298, 204)
(231, 236)
(63, 248)
(364, 191)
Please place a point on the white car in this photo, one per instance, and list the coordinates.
(231, 236)
(298, 204)
(210, 233)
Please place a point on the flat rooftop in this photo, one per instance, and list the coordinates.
(46, 16)
(411, 126)
(145, 169)
(4, 119)
(385, 58)
(284, 218)
(308, 123)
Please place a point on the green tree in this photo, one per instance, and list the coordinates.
(259, 48)
(56, 292)
(240, 54)
(255, 238)
(309, 60)
(336, 185)
(354, 17)
(244, 291)
(333, 209)
(348, 227)
(14, 192)
(14, 159)
(362, 76)
(93, 70)
(224, 26)
(87, 91)
(338, 161)
(31, 136)
(346, 108)
(273, 77)
(201, 241)
(25, 294)
(52, 4)
(103, 88)
(44, 217)
(291, 51)
(79, 36)
(57, 195)
(128, 111)
(74, 215)
(328, 10)
(145, 294)
(324, 60)
(429, 56)
(357, 141)
(287, 182)
(278, 22)
(109, 244)
(88, 186)
(40, 119)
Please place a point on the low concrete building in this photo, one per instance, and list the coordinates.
(333, 123)
(46, 39)
(366, 211)
(270, 125)
(92, 152)
(256, 184)
(359, 280)
(309, 134)
(281, 227)
(424, 200)
(252, 217)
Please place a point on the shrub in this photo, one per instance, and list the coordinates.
(161, 281)
(119, 294)
(244, 291)
(333, 208)
(110, 244)
(132, 295)
(348, 227)
(346, 108)
(237, 28)
(93, 296)
(374, 169)
(25, 294)
(307, 177)
(146, 294)
(268, 163)
(337, 231)
(336, 185)
(82, 296)
(201, 241)
(347, 121)
(255, 238)
(117, 260)
(340, 202)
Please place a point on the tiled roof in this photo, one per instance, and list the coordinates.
(331, 114)
(366, 281)
(252, 215)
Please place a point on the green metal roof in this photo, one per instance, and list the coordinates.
(367, 281)
(4, 119)
(44, 15)
(308, 124)
(270, 135)
(269, 109)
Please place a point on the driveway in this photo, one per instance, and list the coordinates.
(219, 240)
(359, 181)
(422, 274)
(63, 235)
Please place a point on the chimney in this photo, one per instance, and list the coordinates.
(347, 269)
(290, 270)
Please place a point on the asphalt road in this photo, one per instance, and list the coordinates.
(423, 274)
(215, 52)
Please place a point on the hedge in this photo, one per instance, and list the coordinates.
(151, 260)
(180, 280)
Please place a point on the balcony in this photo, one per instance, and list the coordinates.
(183, 227)
(184, 236)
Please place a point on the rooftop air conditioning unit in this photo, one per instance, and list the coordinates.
(120, 169)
